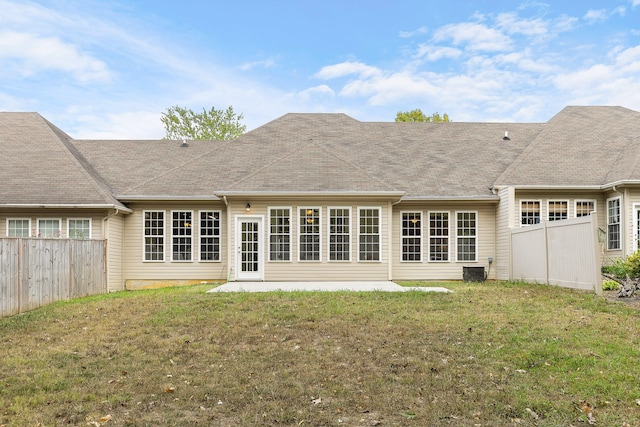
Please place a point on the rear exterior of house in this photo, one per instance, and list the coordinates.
(323, 196)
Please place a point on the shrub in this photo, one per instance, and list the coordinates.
(610, 285)
(632, 265)
(617, 268)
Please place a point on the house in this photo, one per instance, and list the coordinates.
(322, 196)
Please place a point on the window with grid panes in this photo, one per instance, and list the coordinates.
(411, 236)
(153, 235)
(369, 234)
(466, 235)
(585, 207)
(613, 224)
(309, 236)
(18, 227)
(529, 212)
(181, 235)
(557, 210)
(209, 235)
(438, 236)
(339, 234)
(279, 234)
(79, 228)
(49, 228)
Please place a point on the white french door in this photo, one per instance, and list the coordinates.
(249, 262)
(636, 227)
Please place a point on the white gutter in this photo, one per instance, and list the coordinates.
(63, 206)
(166, 198)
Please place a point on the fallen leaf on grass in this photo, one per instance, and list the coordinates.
(316, 401)
(533, 413)
(169, 389)
(105, 419)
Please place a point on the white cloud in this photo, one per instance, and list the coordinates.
(267, 63)
(511, 23)
(419, 31)
(475, 37)
(346, 69)
(317, 91)
(635, 3)
(596, 15)
(435, 53)
(35, 54)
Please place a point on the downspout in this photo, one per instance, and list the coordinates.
(105, 226)
(229, 238)
(624, 221)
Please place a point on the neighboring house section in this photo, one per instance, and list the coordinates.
(322, 196)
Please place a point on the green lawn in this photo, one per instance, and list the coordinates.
(506, 354)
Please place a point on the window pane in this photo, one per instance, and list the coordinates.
(584, 208)
(209, 236)
(529, 212)
(411, 236)
(49, 228)
(18, 228)
(466, 236)
(613, 224)
(339, 234)
(79, 228)
(369, 244)
(558, 210)
(182, 232)
(154, 236)
(279, 234)
(439, 236)
(309, 234)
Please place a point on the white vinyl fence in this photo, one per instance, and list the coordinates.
(562, 253)
(36, 272)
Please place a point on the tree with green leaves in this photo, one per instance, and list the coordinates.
(182, 123)
(418, 116)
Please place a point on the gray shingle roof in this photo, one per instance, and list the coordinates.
(581, 146)
(38, 166)
(322, 153)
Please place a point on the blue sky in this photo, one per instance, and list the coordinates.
(107, 69)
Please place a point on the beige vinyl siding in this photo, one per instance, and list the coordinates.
(628, 219)
(505, 213)
(444, 270)
(324, 269)
(114, 232)
(136, 269)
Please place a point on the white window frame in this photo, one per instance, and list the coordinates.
(404, 238)
(79, 219)
(379, 233)
(614, 224)
(431, 236)
(549, 202)
(19, 219)
(214, 236)
(300, 234)
(348, 234)
(39, 233)
(539, 202)
(163, 235)
(475, 236)
(575, 206)
(178, 236)
(271, 234)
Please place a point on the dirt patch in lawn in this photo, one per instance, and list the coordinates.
(633, 302)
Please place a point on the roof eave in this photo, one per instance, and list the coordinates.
(490, 198)
(162, 198)
(64, 206)
(390, 194)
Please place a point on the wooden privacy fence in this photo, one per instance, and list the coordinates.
(563, 253)
(36, 272)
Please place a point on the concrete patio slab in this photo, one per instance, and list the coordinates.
(352, 286)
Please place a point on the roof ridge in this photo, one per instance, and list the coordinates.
(85, 168)
(178, 166)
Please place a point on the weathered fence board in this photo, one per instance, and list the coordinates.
(36, 272)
